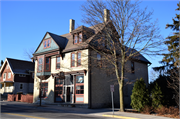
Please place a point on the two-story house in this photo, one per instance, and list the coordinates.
(17, 76)
(63, 67)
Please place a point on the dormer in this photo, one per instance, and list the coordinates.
(81, 34)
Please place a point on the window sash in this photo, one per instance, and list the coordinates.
(73, 60)
(79, 59)
(4, 77)
(9, 75)
(47, 65)
(80, 37)
(58, 63)
(75, 39)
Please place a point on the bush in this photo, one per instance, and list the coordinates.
(140, 95)
(172, 112)
(156, 96)
(147, 110)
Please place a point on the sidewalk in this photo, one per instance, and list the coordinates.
(106, 112)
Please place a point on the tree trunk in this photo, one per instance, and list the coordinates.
(121, 83)
(121, 96)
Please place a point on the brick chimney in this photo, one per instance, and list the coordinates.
(106, 15)
(71, 25)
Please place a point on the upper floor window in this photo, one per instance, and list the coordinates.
(4, 76)
(78, 38)
(99, 63)
(79, 59)
(58, 62)
(9, 75)
(47, 65)
(72, 59)
(47, 43)
(75, 39)
(7, 66)
(132, 67)
(40, 64)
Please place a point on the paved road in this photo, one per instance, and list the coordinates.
(19, 110)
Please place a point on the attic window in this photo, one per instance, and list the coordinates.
(78, 38)
(47, 43)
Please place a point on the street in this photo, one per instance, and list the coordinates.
(20, 110)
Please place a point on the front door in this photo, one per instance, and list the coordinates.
(59, 90)
(68, 94)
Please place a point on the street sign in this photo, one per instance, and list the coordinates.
(112, 88)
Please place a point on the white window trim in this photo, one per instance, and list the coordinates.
(9, 75)
(4, 76)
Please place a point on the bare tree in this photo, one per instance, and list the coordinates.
(28, 53)
(174, 83)
(124, 31)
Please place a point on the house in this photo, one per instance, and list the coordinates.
(17, 76)
(64, 71)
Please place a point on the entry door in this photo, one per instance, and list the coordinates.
(68, 94)
(59, 90)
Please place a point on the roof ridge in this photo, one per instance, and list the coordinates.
(19, 60)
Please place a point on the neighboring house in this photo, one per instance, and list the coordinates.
(17, 76)
(64, 64)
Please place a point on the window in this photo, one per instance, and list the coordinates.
(132, 67)
(47, 65)
(79, 79)
(80, 37)
(75, 39)
(99, 63)
(47, 43)
(4, 76)
(79, 59)
(7, 66)
(21, 86)
(33, 75)
(58, 62)
(22, 75)
(40, 64)
(9, 75)
(80, 84)
(44, 90)
(72, 59)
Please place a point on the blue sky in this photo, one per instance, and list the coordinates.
(24, 23)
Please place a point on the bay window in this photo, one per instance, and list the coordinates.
(47, 64)
(40, 64)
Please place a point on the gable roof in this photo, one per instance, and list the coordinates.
(19, 66)
(59, 40)
(65, 41)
